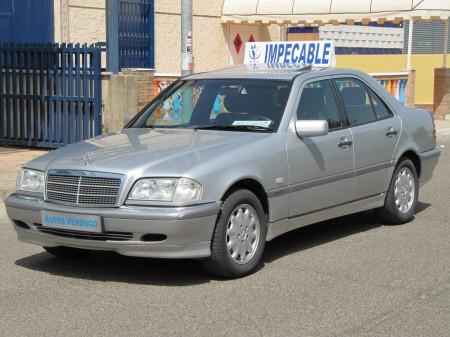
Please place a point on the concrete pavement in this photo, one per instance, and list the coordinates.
(11, 160)
(352, 276)
(442, 128)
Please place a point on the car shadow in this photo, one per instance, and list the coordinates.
(324, 232)
(108, 266)
(320, 233)
(421, 206)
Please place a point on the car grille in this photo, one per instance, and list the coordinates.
(83, 190)
(105, 236)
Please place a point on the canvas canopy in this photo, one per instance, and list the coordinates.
(320, 12)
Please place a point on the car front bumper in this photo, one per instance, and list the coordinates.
(188, 230)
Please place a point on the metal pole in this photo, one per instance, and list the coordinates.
(112, 35)
(410, 38)
(444, 63)
(186, 37)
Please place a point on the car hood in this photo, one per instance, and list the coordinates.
(160, 152)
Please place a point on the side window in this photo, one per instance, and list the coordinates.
(356, 101)
(318, 103)
(381, 109)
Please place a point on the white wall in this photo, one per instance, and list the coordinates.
(362, 36)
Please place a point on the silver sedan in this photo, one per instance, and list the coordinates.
(222, 162)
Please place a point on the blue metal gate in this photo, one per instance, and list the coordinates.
(136, 33)
(50, 95)
(26, 21)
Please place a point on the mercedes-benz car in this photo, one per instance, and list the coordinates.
(222, 162)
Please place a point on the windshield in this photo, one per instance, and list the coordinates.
(234, 105)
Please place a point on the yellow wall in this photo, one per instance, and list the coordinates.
(423, 64)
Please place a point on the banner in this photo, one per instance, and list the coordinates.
(316, 53)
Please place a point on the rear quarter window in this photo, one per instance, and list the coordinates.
(356, 101)
(381, 109)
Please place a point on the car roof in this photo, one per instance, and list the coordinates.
(270, 72)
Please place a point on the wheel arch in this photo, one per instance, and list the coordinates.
(253, 185)
(414, 157)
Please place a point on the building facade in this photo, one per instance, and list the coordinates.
(214, 43)
(372, 48)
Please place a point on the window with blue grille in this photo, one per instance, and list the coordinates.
(136, 33)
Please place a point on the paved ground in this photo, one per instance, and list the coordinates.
(11, 159)
(348, 277)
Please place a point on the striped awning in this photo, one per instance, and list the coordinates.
(311, 12)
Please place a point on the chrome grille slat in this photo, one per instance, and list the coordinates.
(84, 189)
(60, 192)
(64, 184)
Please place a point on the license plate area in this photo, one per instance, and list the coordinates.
(71, 221)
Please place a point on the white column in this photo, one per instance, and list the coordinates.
(444, 63)
(410, 38)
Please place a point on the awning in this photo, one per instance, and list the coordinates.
(320, 12)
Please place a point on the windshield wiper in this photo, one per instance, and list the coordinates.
(248, 127)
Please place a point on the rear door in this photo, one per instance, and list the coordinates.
(375, 132)
(320, 168)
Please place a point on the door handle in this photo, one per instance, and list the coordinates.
(391, 132)
(345, 142)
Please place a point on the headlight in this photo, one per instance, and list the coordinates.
(30, 181)
(166, 189)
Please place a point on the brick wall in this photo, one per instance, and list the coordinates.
(428, 107)
(441, 102)
(210, 41)
(86, 21)
(410, 90)
(87, 24)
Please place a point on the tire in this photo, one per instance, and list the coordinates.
(237, 250)
(66, 252)
(396, 210)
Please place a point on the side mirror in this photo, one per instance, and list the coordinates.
(311, 128)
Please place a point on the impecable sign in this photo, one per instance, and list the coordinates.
(316, 53)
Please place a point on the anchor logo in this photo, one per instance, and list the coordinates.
(254, 52)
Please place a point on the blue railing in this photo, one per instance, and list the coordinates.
(50, 95)
(136, 33)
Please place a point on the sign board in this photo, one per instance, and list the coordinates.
(315, 53)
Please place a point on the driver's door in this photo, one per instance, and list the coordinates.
(320, 168)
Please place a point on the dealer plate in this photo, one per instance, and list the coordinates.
(75, 222)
